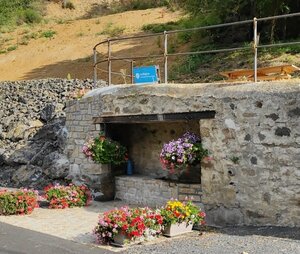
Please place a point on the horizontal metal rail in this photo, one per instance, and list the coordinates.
(130, 59)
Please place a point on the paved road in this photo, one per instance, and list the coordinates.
(232, 240)
(15, 240)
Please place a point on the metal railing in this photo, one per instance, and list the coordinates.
(130, 59)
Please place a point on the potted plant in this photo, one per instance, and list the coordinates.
(103, 150)
(125, 225)
(179, 155)
(179, 217)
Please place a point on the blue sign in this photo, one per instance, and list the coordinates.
(146, 75)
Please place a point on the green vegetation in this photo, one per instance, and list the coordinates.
(11, 48)
(48, 34)
(68, 5)
(16, 12)
(129, 5)
(112, 31)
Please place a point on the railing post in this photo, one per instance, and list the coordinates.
(132, 77)
(166, 56)
(109, 62)
(255, 43)
(95, 67)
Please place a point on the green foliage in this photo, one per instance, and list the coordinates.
(105, 151)
(14, 12)
(12, 48)
(235, 159)
(129, 5)
(68, 5)
(17, 202)
(159, 28)
(61, 197)
(48, 34)
(29, 16)
(112, 31)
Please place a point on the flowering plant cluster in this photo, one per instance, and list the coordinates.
(132, 222)
(18, 202)
(61, 197)
(105, 151)
(177, 212)
(182, 153)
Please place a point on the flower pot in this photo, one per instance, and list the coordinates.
(120, 239)
(177, 229)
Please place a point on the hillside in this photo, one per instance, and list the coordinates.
(61, 45)
(64, 45)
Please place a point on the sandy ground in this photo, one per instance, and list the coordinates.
(70, 50)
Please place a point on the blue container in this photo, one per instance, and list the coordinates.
(129, 168)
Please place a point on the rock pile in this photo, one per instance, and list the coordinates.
(32, 130)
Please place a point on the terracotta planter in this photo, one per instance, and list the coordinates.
(177, 229)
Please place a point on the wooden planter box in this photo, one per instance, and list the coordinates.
(177, 229)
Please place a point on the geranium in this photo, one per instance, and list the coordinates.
(182, 153)
(132, 222)
(18, 202)
(105, 151)
(60, 196)
(178, 212)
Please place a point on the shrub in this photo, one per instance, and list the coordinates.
(105, 151)
(29, 16)
(12, 48)
(18, 202)
(112, 31)
(61, 197)
(132, 222)
(48, 34)
(68, 5)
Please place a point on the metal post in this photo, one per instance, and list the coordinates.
(109, 62)
(166, 56)
(95, 68)
(255, 48)
(132, 77)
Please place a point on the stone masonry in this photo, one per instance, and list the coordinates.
(254, 178)
(143, 190)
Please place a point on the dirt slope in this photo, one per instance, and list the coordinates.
(69, 50)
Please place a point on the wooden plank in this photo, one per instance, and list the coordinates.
(168, 117)
(281, 69)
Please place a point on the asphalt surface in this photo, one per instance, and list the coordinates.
(231, 240)
(15, 240)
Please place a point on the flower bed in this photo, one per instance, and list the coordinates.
(18, 202)
(126, 224)
(132, 223)
(60, 197)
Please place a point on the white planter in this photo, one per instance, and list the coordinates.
(120, 239)
(177, 229)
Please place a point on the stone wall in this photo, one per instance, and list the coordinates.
(254, 138)
(144, 190)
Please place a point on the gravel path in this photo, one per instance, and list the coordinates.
(240, 240)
